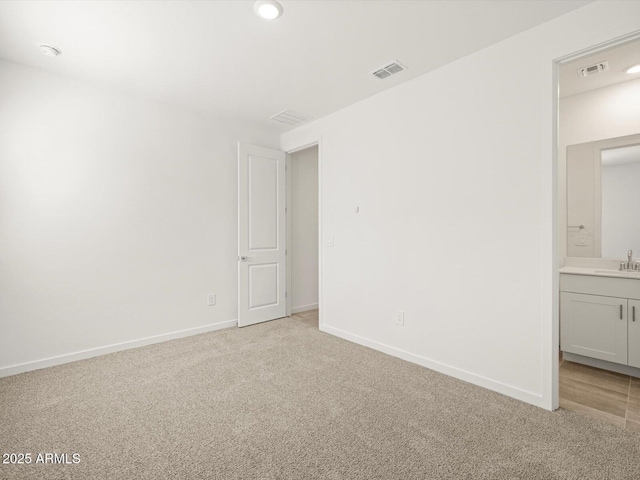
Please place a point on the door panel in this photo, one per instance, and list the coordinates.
(263, 203)
(261, 235)
(263, 285)
(634, 333)
(594, 326)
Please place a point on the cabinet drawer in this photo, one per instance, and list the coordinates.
(604, 286)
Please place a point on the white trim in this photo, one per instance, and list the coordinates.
(320, 234)
(288, 244)
(304, 308)
(585, 52)
(550, 300)
(116, 347)
(304, 146)
(503, 388)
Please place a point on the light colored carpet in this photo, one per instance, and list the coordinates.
(283, 400)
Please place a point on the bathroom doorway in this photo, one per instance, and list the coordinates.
(598, 172)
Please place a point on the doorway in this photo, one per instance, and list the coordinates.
(279, 262)
(598, 168)
(303, 265)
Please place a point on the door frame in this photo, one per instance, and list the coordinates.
(316, 142)
(551, 330)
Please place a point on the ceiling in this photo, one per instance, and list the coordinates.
(219, 57)
(618, 58)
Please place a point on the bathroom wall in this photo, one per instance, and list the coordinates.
(602, 222)
(600, 114)
(583, 193)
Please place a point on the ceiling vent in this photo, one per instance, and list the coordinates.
(593, 69)
(388, 70)
(290, 117)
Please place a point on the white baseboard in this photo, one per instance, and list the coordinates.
(304, 308)
(116, 347)
(503, 388)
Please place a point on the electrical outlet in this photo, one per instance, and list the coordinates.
(211, 299)
(399, 319)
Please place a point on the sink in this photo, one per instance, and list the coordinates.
(620, 273)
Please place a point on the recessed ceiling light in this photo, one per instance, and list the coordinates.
(633, 69)
(50, 51)
(268, 9)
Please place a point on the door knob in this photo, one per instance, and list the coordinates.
(244, 259)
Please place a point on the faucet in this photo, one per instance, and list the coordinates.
(630, 265)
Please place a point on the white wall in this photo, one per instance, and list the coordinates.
(117, 217)
(304, 229)
(600, 114)
(583, 192)
(454, 176)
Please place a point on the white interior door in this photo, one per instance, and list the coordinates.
(261, 235)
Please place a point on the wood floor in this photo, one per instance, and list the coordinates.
(309, 314)
(608, 396)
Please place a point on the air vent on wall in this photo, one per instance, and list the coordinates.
(389, 69)
(593, 69)
(290, 117)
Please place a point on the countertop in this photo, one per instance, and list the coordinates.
(600, 272)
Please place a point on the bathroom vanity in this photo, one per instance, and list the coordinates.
(600, 318)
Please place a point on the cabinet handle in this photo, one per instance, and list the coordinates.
(633, 309)
(620, 312)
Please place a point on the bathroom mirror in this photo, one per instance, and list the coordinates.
(620, 180)
(603, 198)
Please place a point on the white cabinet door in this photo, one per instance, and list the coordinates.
(261, 235)
(634, 333)
(594, 326)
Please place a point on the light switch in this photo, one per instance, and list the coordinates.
(328, 240)
(580, 240)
